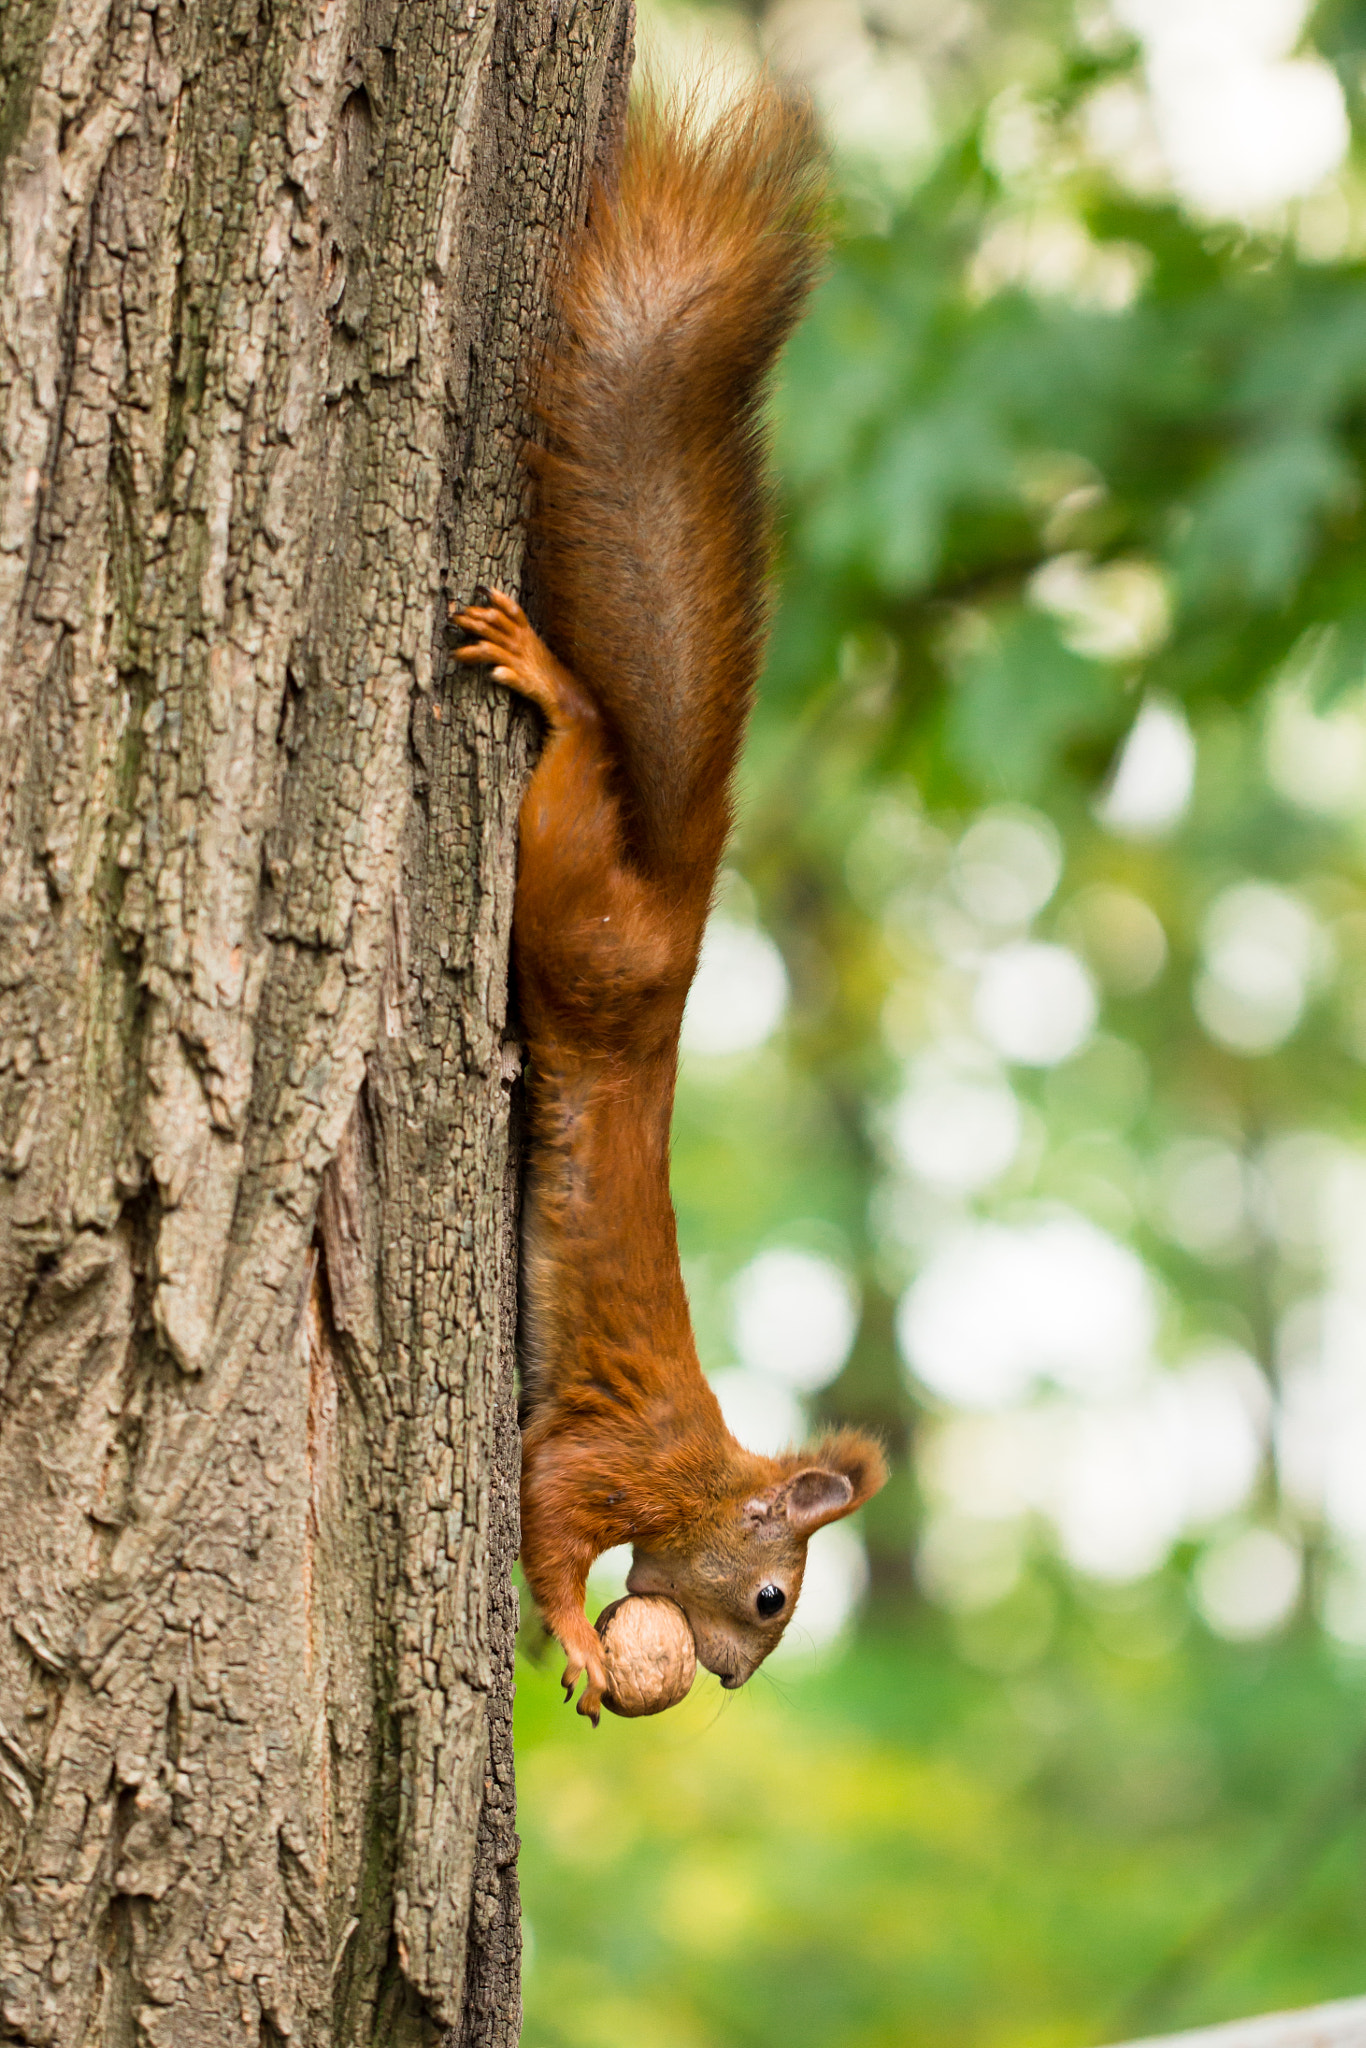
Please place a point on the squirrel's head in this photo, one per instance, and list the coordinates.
(738, 1581)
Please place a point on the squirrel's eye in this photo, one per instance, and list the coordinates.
(770, 1600)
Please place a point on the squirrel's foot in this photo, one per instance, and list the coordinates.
(582, 1660)
(506, 639)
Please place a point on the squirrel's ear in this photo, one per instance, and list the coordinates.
(814, 1497)
(845, 1470)
(827, 1480)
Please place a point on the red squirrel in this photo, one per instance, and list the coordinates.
(649, 542)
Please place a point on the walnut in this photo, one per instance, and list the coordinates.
(649, 1652)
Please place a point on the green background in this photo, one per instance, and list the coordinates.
(1076, 1812)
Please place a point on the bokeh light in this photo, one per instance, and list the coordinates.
(1035, 1003)
(1001, 1308)
(1155, 776)
(795, 1317)
(740, 992)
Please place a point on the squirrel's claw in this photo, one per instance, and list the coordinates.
(590, 1699)
(500, 612)
(577, 1667)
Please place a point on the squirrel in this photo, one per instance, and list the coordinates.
(649, 544)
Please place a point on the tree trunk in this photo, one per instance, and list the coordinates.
(271, 273)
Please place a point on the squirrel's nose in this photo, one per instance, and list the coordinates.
(731, 1680)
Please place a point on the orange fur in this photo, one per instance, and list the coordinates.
(651, 548)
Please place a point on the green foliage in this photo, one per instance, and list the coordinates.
(1022, 699)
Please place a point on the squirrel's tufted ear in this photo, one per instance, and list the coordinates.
(837, 1475)
(827, 1480)
(802, 1501)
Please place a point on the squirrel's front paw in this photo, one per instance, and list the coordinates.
(590, 1700)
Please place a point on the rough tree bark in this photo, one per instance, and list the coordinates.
(271, 272)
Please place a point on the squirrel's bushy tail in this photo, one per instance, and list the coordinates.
(651, 531)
